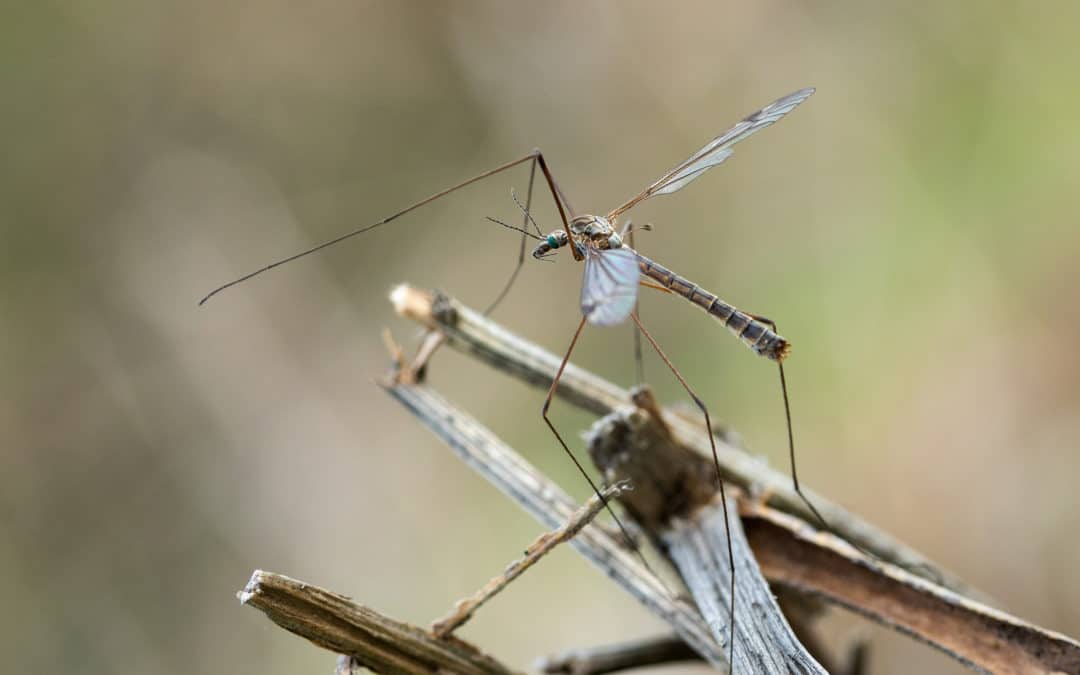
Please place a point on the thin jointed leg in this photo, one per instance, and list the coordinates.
(556, 194)
(719, 481)
(639, 360)
(566, 448)
(790, 433)
(535, 155)
(791, 448)
(521, 250)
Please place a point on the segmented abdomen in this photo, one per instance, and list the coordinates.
(755, 334)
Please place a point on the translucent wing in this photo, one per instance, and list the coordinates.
(717, 150)
(610, 287)
(690, 172)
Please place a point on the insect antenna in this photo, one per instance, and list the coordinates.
(515, 228)
(525, 209)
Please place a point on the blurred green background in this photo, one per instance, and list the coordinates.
(912, 228)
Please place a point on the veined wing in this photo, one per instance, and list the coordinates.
(610, 287)
(717, 150)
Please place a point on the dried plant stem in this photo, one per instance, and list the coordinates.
(335, 622)
(543, 545)
(676, 501)
(547, 502)
(622, 656)
(671, 480)
(468, 331)
(672, 500)
(763, 637)
(902, 590)
(798, 556)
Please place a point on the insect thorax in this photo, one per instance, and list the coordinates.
(596, 229)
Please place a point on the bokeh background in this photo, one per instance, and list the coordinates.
(913, 228)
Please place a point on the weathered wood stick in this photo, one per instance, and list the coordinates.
(796, 555)
(547, 502)
(667, 649)
(468, 331)
(764, 643)
(335, 622)
(622, 656)
(677, 504)
(672, 481)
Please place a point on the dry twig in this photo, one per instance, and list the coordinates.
(622, 656)
(544, 544)
(547, 502)
(912, 595)
(671, 479)
(468, 331)
(335, 622)
(796, 555)
(672, 501)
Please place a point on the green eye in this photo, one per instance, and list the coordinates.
(552, 241)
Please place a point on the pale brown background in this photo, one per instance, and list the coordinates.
(913, 228)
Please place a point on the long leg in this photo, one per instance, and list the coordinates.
(418, 365)
(795, 475)
(534, 155)
(521, 249)
(566, 448)
(639, 360)
(791, 444)
(655, 286)
(719, 481)
(430, 344)
(790, 433)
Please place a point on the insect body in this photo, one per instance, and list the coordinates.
(614, 271)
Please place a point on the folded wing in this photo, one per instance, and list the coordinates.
(609, 290)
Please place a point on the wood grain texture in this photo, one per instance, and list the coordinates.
(384, 645)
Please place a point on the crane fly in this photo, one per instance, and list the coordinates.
(614, 271)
